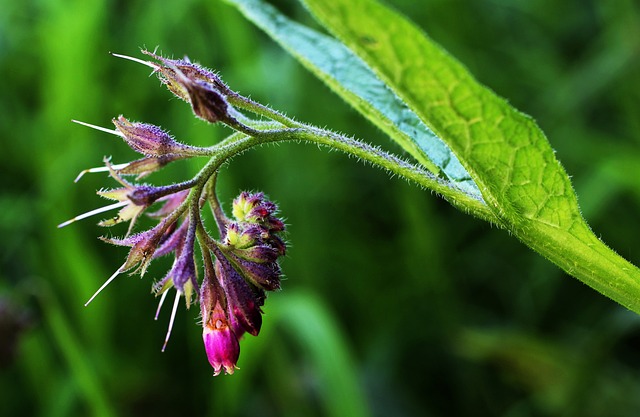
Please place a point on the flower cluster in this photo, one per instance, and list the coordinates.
(238, 268)
(233, 289)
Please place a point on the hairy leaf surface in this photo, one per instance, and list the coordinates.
(506, 154)
(359, 86)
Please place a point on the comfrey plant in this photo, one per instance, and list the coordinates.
(239, 267)
(464, 143)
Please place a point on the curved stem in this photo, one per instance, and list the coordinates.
(216, 208)
(246, 103)
(228, 149)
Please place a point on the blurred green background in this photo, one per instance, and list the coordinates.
(395, 304)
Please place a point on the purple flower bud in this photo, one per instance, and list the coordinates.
(203, 89)
(168, 75)
(211, 292)
(207, 102)
(245, 235)
(244, 203)
(261, 211)
(259, 253)
(182, 274)
(278, 244)
(274, 224)
(254, 208)
(143, 246)
(264, 275)
(172, 240)
(244, 299)
(147, 139)
(220, 342)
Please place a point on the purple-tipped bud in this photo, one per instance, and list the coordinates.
(264, 275)
(274, 224)
(172, 240)
(220, 342)
(244, 203)
(143, 246)
(203, 89)
(243, 299)
(232, 234)
(254, 208)
(207, 102)
(167, 73)
(182, 274)
(245, 235)
(278, 244)
(148, 139)
(258, 253)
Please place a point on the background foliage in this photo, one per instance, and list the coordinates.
(396, 303)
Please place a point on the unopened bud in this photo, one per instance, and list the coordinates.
(207, 103)
(182, 275)
(264, 275)
(244, 299)
(148, 139)
(167, 73)
(143, 245)
(202, 88)
(244, 236)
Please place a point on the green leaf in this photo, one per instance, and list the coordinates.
(354, 81)
(507, 155)
(503, 150)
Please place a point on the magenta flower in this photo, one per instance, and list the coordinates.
(220, 342)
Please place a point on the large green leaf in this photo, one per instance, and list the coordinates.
(504, 151)
(354, 81)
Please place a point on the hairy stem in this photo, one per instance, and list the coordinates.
(377, 157)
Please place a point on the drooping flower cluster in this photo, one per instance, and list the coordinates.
(241, 266)
(245, 267)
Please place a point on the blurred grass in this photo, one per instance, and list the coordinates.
(417, 303)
